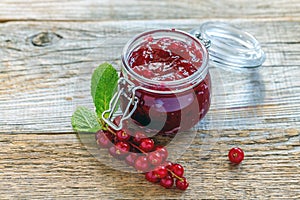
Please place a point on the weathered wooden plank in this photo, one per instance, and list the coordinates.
(43, 77)
(58, 166)
(89, 10)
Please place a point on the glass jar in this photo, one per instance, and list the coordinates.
(165, 84)
(168, 100)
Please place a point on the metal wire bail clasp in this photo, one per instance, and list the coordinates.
(125, 87)
(206, 43)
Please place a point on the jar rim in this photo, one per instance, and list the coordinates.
(199, 74)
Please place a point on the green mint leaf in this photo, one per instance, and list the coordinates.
(85, 120)
(103, 86)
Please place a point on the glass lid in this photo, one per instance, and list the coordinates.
(229, 46)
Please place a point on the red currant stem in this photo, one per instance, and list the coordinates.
(173, 174)
(138, 148)
(111, 131)
(101, 122)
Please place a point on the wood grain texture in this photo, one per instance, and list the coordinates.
(58, 166)
(89, 10)
(48, 51)
(45, 73)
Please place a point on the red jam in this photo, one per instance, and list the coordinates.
(165, 59)
(169, 60)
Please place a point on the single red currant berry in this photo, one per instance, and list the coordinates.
(103, 141)
(146, 144)
(110, 136)
(163, 152)
(167, 182)
(141, 164)
(168, 165)
(151, 177)
(112, 151)
(182, 184)
(236, 155)
(138, 137)
(155, 158)
(122, 148)
(177, 169)
(161, 171)
(123, 135)
(130, 159)
(98, 134)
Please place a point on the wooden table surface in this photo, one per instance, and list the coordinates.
(48, 51)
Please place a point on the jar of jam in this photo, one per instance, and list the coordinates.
(165, 85)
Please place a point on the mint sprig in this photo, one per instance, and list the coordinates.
(85, 120)
(103, 86)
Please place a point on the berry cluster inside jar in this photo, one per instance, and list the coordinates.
(159, 63)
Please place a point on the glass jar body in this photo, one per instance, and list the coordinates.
(168, 106)
(170, 113)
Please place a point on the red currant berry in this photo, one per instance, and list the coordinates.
(146, 144)
(98, 134)
(168, 165)
(122, 148)
(103, 141)
(112, 151)
(163, 152)
(141, 164)
(161, 171)
(110, 136)
(123, 135)
(155, 158)
(167, 182)
(182, 184)
(151, 177)
(177, 169)
(130, 159)
(138, 137)
(236, 155)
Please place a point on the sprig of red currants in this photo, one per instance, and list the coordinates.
(140, 152)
